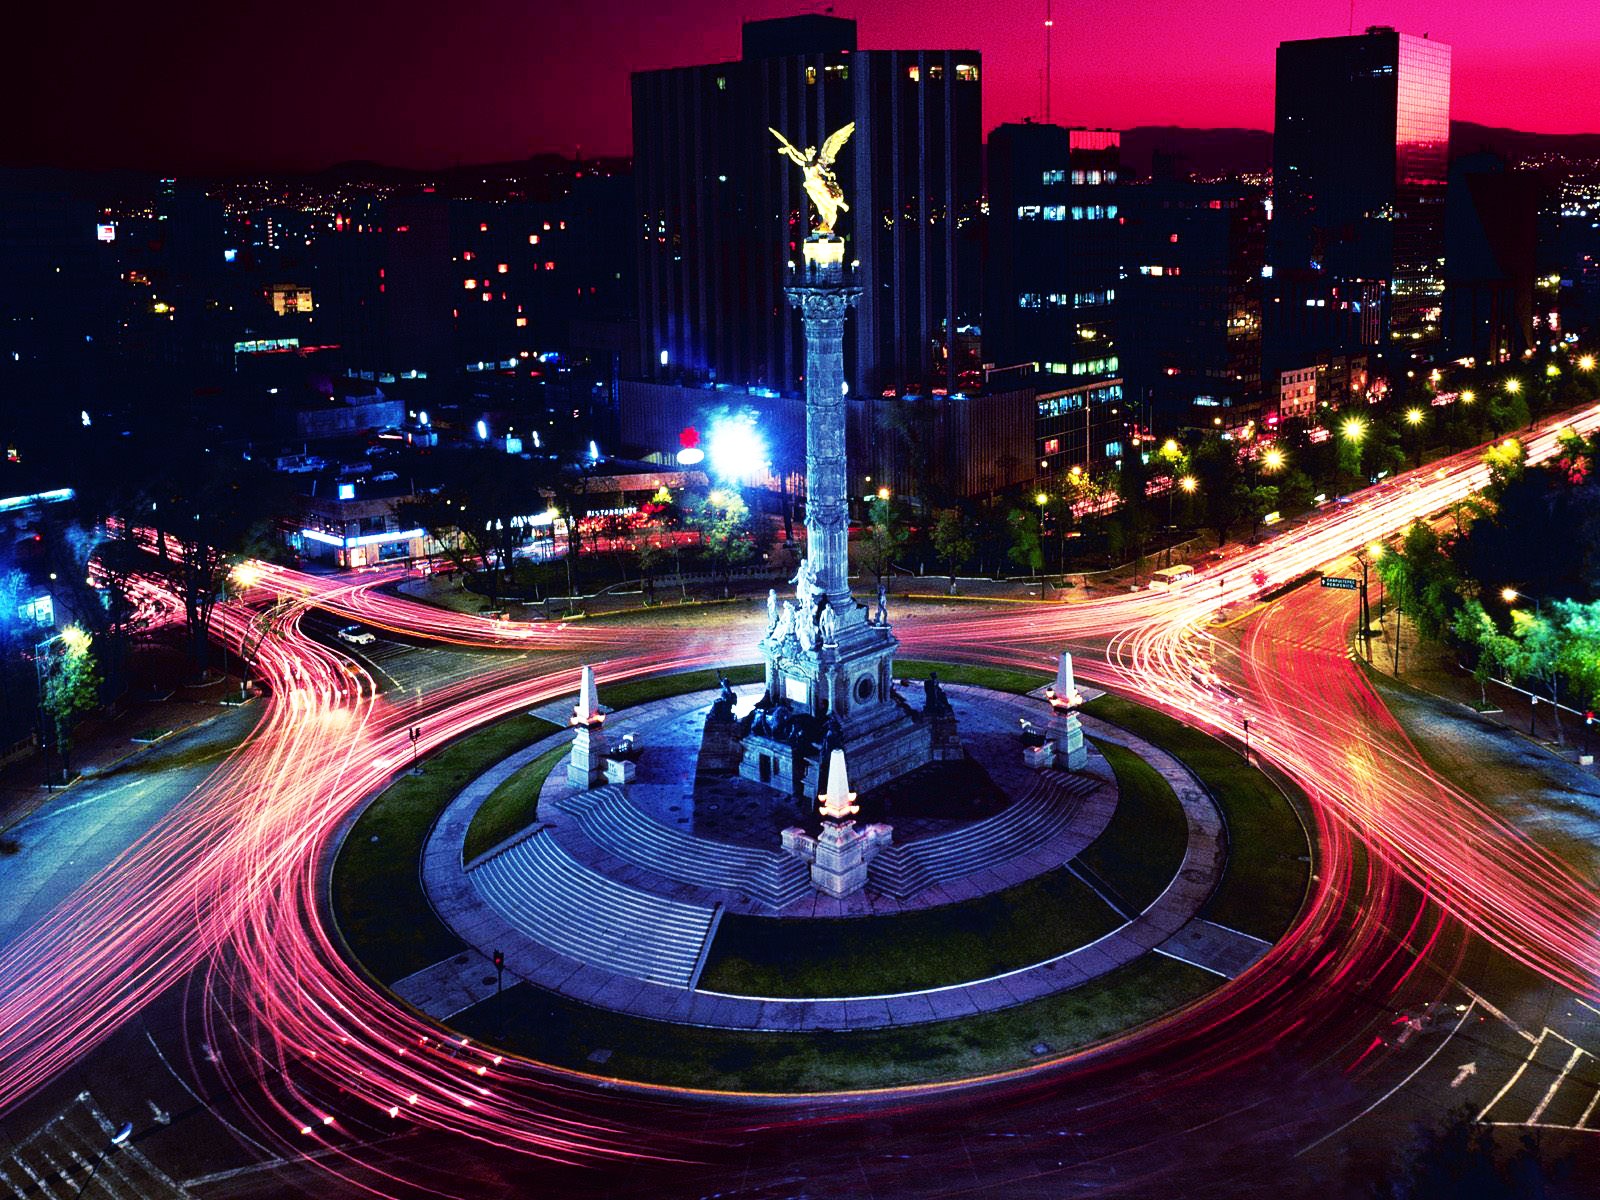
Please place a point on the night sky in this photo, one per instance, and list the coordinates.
(220, 85)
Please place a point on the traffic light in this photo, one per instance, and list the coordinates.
(499, 960)
(1588, 717)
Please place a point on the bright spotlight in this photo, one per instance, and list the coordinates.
(735, 448)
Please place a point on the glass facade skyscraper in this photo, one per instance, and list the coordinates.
(1360, 154)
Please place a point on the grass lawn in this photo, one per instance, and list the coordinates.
(657, 687)
(565, 1033)
(512, 805)
(1000, 679)
(864, 956)
(1264, 880)
(1142, 849)
(376, 895)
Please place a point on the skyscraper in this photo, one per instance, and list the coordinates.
(1359, 158)
(720, 210)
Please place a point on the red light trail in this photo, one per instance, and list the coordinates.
(230, 880)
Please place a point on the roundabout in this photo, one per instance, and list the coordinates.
(654, 933)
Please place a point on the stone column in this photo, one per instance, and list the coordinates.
(822, 291)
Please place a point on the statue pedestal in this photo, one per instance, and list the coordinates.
(839, 855)
(1037, 758)
(1069, 742)
(620, 770)
(587, 767)
(720, 748)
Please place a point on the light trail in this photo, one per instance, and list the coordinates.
(230, 881)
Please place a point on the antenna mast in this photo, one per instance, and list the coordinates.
(1049, 24)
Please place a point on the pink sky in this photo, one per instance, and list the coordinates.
(418, 82)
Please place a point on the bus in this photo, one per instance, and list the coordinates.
(1169, 578)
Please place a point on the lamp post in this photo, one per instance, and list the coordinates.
(1246, 721)
(1414, 419)
(1366, 608)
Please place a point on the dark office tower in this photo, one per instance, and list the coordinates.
(1491, 240)
(721, 210)
(1359, 157)
(1191, 297)
(1051, 277)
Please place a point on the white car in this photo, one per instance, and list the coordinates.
(357, 636)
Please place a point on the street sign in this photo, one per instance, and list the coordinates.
(1340, 581)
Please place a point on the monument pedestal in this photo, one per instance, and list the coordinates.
(587, 767)
(1068, 734)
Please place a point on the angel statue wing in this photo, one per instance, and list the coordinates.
(835, 143)
(784, 147)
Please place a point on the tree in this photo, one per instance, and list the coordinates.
(952, 544)
(1259, 501)
(1423, 580)
(1025, 550)
(1492, 651)
(210, 509)
(886, 535)
(1539, 656)
(1506, 461)
(1296, 490)
(71, 687)
(722, 519)
(1221, 484)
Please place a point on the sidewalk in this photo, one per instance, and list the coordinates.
(103, 744)
(1428, 668)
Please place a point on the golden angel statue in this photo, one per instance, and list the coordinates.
(820, 182)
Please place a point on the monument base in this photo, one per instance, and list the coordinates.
(879, 756)
(839, 854)
(587, 767)
(1067, 732)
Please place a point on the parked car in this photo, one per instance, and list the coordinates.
(357, 636)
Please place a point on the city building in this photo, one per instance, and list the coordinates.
(1356, 242)
(1190, 297)
(1491, 245)
(1333, 383)
(1051, 278)
(1082, 427)
(720, 210)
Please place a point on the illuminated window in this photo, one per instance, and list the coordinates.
(1027, 212)
(549, 266)
(837, 73)
(469, 284)
(1028, 300)
(811, 74)
(914, 73)
(467, 256)
(533, 239)
(722, 83)
(1052, 446)
(1055, 212)
(502, 268)
(1055, 176)
(1173, 238)
(483, 227)
(935, 71)
(967, 72)
(521, 321)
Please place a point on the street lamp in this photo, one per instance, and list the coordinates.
(1586, 362)
(1354, 429)
(1272, 460)
(1468, 396)
(1513, 385)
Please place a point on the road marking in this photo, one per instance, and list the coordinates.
(1572, 1061)
(1515, 1075)
(1464, 1072)
(1419, 1068)
(1495, 1012)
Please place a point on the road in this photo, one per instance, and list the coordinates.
(198, 964)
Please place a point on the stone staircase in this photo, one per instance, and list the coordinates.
(72, 1155)
(609, 820)
(562, 904)
(1035, 817)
